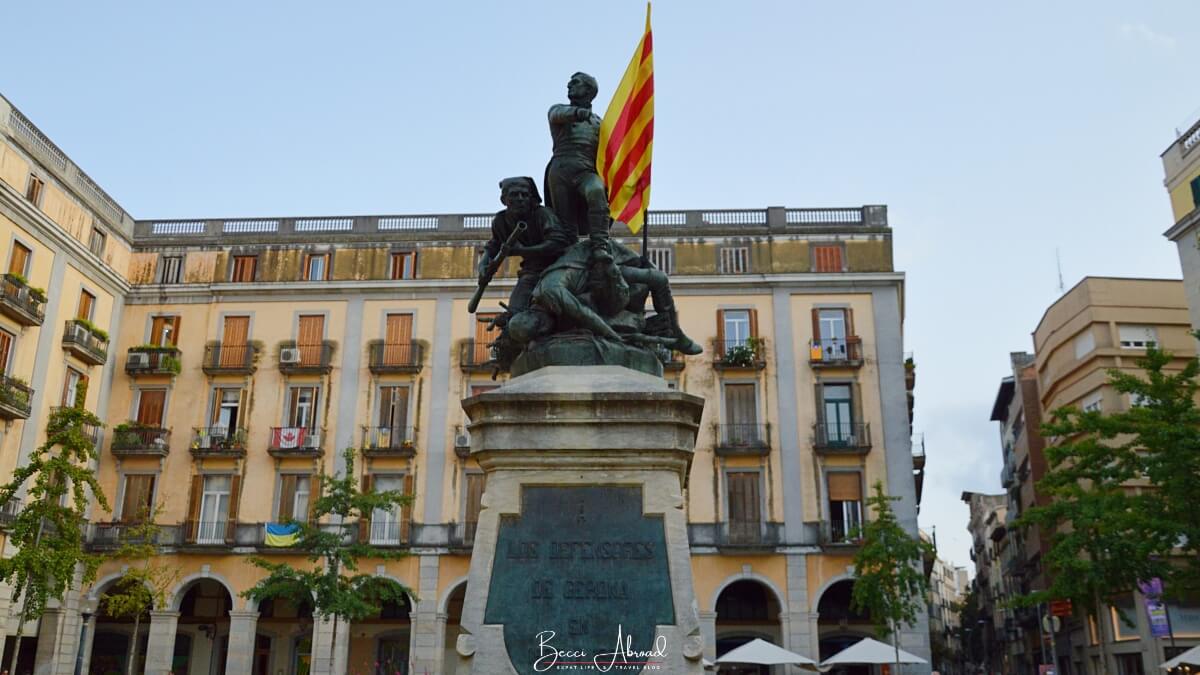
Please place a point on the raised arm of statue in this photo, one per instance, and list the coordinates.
(561, 113)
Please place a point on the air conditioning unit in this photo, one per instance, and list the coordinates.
(138, 360)
(312, 439)
(462, 441)
(289, 355)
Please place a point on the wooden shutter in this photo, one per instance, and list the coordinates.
(233, 342)
(19, 259)
(856, 405)
(484, 336)
(819, 399)
(197, 492)
(314, 491)
(287, 496)
(845, 487)
(243, 268)
(406, 510)
(743, 496)
(86, 301)
(475, 483)
(720, 333)
(740, 405)
(235, 490)
(828, 258)
(753, 322)
(5, 350)
(364, 520)
(850, 324)
(158, 325)
(397, 340)
(150, 407)
(137, 504)
(312, 333)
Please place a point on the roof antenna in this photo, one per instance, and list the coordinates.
(1058, 260)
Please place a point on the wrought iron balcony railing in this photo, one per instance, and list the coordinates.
(80, 339)
(835, 353)
(221, 358)
(474, 356)
(305, 358)
(748, 353)
(743, 439)
(842, 437)
(218, 440)
(294, 442)
(153, 361)
(15, 397)
(395, 357)
(21, 303)
(389, 440)
(132, 438)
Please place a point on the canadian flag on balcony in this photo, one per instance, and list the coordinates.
(288, 437)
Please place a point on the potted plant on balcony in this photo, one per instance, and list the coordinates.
(15, 392)
(130, 434)
(38, 294)
(744, 354)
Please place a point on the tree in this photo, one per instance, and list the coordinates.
(333, 585)
(890, 582)
(144, 584)
(1120, 487)
(48, 532)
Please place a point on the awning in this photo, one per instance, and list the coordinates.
(1189, 658)
(871, 652)
(764, 653)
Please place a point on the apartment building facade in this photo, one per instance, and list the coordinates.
(244, 355)
(1181, 178)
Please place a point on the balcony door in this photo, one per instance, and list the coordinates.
(310, 340)
(745, 505)
(138, 501)
(302, 407)
(226, 411)
(164, 331)
(234, 339)
(215, 502)
(385, 523)
(845, 505)
(397, 340)
(18, 262)
(151, 405)
(831, 332)
(741, 415)
(838, 411)
(735, 327)
(294, 496)
(393, 416)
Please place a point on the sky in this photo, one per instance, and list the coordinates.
(998, 134)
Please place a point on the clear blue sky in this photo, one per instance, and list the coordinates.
(995, 133)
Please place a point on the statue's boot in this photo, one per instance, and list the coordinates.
(682, 343)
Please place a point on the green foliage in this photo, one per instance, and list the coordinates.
(48, 532)
(1105, 536)
(890, 582)
(95, 330)
(38, 294)
(16, 396)
(744, 355)
(334, 586)
(18, 278)
(171, 364)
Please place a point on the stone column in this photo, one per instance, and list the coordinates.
(708, 630)
(242, 626)
(161, 645)
(799, 632)
(49, 641)
(323, 647)
(426, 653)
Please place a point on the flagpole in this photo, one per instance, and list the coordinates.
(645, 236)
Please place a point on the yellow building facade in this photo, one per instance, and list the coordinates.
(244, 355)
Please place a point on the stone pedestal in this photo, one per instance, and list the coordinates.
(581, 553)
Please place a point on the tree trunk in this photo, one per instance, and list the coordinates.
(137, 621)
(12, 667)
(1100, 621)
(896, 644)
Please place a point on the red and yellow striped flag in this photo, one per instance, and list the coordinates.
(627, 137)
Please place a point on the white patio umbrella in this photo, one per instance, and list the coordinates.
(871, 652)
(1189, 658)
(764, 653)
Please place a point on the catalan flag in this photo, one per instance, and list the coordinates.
(627, 137)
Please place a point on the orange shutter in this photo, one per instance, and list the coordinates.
(160, 324)
(312, 333)
(398, 340)
(743, 497)
(287, 496)
(720, 333)
(406, 510)
(20, 258)
(364, 520)
(845, 487)
(86, 300)
(235, 490)
(828, 258)
(194, 507)
(233, 342)
(753, 322)
(150, 407)
(484, 336)
(5, 350)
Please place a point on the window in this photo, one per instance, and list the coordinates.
(1137, 337)
(1085, 343)
(138, 501)
(294, 493)
(1129, 664)
(311, 328)
(97, 242)
(741, 415)
(845, 505)
(6, 343)
(735, 327)
(33, 190)
(18, 260)
(1093, 402)
(244, 267)
(226, 410)
(837, 414)
(71, 386)
(87, 305)
(735, 260)
(316, 268)
(164, 331)
(662, 258)
(151, 407)
(397, 340)
(404, 265)
(827, 258)
(172, 269)
(385, 523)
(302, 407)
(745, 506)
(214, 509)
(235, 337)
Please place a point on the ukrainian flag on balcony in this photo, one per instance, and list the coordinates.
(282, 536)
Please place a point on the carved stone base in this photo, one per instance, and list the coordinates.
(582, 535)
(584, 349)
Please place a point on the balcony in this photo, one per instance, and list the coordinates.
(462, 535)
(842, 438)
(86, 342)
(835, 353)
(151, 360)
(475, 356)
(21, 303)
(91, 432)
(389, 441)
(139, 440)
(674, 362)
(305, 359)
(839, 533)
(397, 357)
(748, 534)
(15, 397)
(294, 442)
(112, 535)
(230, 359)
(747, 354)
(217, 533)
(9, 511)
(743, 439)
(386, 532)
(218, 442)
